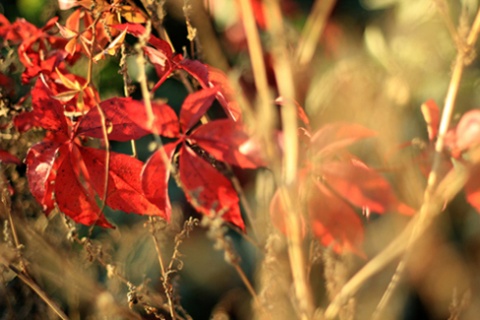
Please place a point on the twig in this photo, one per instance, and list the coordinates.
(258, 65)
(162, 268)
(29, 282)
(313, 30)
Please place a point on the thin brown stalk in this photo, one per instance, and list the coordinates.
(126, 90)
(92, 47)
(142, 79)
(258, 65)
(162, 268)
(39, 291)
(103, 121)
(436, 194)
(286, 87)
(313, 30)
(250, 288)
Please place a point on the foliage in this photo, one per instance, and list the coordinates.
(327, 188)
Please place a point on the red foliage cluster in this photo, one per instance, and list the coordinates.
(63, 172)
(332, 183)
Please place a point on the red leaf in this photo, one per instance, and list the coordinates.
(208, 190)
(118, 123)
(73, 200)
(334, 222)
(124, 191)
(7, 157)
(40, 163)
(335, 136)
(225, 94)
(126, 119)
(472, 188)
(468, 130)
(227, 141)
(155, 175)
(195, 106)
(431, 114)
(47, 111)
(196, 69)
(361, 186)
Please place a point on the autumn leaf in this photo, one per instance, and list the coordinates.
(334, 222)
(124, 189)
(225, 94)
(155, 175)
(467, 132)
(127, 119)
(209, 191)
(337, 136)
(41, 172)
(195, 106)
(48, 112)
(362, 186)
(220, 140)
(472, 187)
(112, 48)
(228, 141)
(74, 200)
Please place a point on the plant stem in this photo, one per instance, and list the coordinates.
(286, 88)
(313, 30)
(29, 282)
(162, 269)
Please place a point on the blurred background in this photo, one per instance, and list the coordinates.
(376, 62)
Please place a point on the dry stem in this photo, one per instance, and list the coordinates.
(313, 30)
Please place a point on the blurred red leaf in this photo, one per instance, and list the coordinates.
(208, 190)
(431, 114)
(336, 136)
(361, 186)
(468, 130)
(334, 222)
(472, 187)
